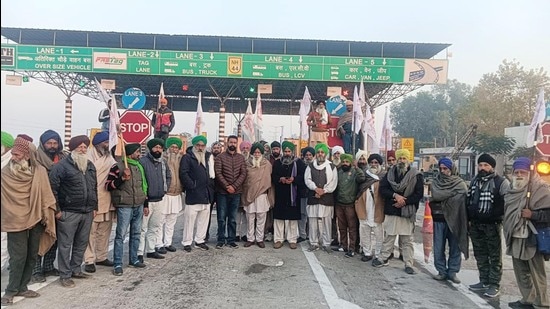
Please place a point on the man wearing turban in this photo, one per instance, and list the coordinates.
(390, 158)
(308, 154)
(128, 187)
(50, 152)
(230, 172)
(27, 215)
(163, 120)
(402, 189)
(100, 232)
(286, 177)
(197, 177)
(74, 185)
(7, 144)
(345, 128)
(349, 178)
(172, 200)
(525, 214)
(450, 220)
(485, 205)
(321, 178)
(369, 205)
(257, 196)
(159, 178)
(318, 121)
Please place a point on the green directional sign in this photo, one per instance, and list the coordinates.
(228, 65)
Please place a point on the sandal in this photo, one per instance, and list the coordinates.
(7, 300)
(28, 294)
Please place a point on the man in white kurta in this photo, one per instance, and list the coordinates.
(321, 178)
(256, 197)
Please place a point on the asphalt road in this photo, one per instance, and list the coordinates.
(255, 278)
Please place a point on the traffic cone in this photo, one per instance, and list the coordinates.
(427, 231)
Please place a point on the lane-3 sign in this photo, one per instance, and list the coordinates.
(220, 64)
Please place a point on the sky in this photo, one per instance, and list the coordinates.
(482, 34)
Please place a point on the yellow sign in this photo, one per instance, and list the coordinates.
(408, 143)
(235, 65)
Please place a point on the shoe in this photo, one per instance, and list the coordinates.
(161, 250)
(313, 248)
(187, 248)
(233, 245)
(137, 264)
(248, 244)
(237, 238)
(54, 272)
(339, 249)
(219, 245)
(170, 248)
(300, 239)
(67, 282)
(118, 271)
(105, 262)
(440, 277)
(37, 278)
(350, 254)
(366, 258)
(244, 238)
(7, 300)
(140, 258)
(28, 294)
(454, 279)
(277, 245)
(261, 244)
(478, 287)
(293, 245)
(80, 275)
(89, 268)
(154, 255)
(378, 263)
(409, 270)
(492, 292)
(202, 246)
(519, 304)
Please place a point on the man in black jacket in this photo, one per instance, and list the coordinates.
(197, 177)
(74, 185)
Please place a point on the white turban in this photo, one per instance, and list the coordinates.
(361, 153)
(336, 149)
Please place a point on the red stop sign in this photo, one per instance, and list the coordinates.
(135, 126)
(544, 146)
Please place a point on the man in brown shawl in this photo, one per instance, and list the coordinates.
(27, 215)
(100, 232)
(50, 152)
(257, 197)
(522, 217)
(450, 220)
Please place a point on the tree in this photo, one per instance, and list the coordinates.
(486, 143)
(504, 98)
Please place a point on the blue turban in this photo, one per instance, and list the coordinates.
(522, 163)
(447, 162)
(100, 137)
(48, 135)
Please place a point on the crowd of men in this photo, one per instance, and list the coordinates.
(62, 204)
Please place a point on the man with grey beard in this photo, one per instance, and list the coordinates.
(402, 189)
(100, 232)
(27, 214)
(74, 185)
(308, 154)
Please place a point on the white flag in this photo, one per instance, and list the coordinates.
(114, 123)
(258, 115)
(161, 94)
(248, 125)
(385, 139)
(357, 112)
(305, 106)
(103, 95)
(538, 118)
(199, 120)
(369, 133)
